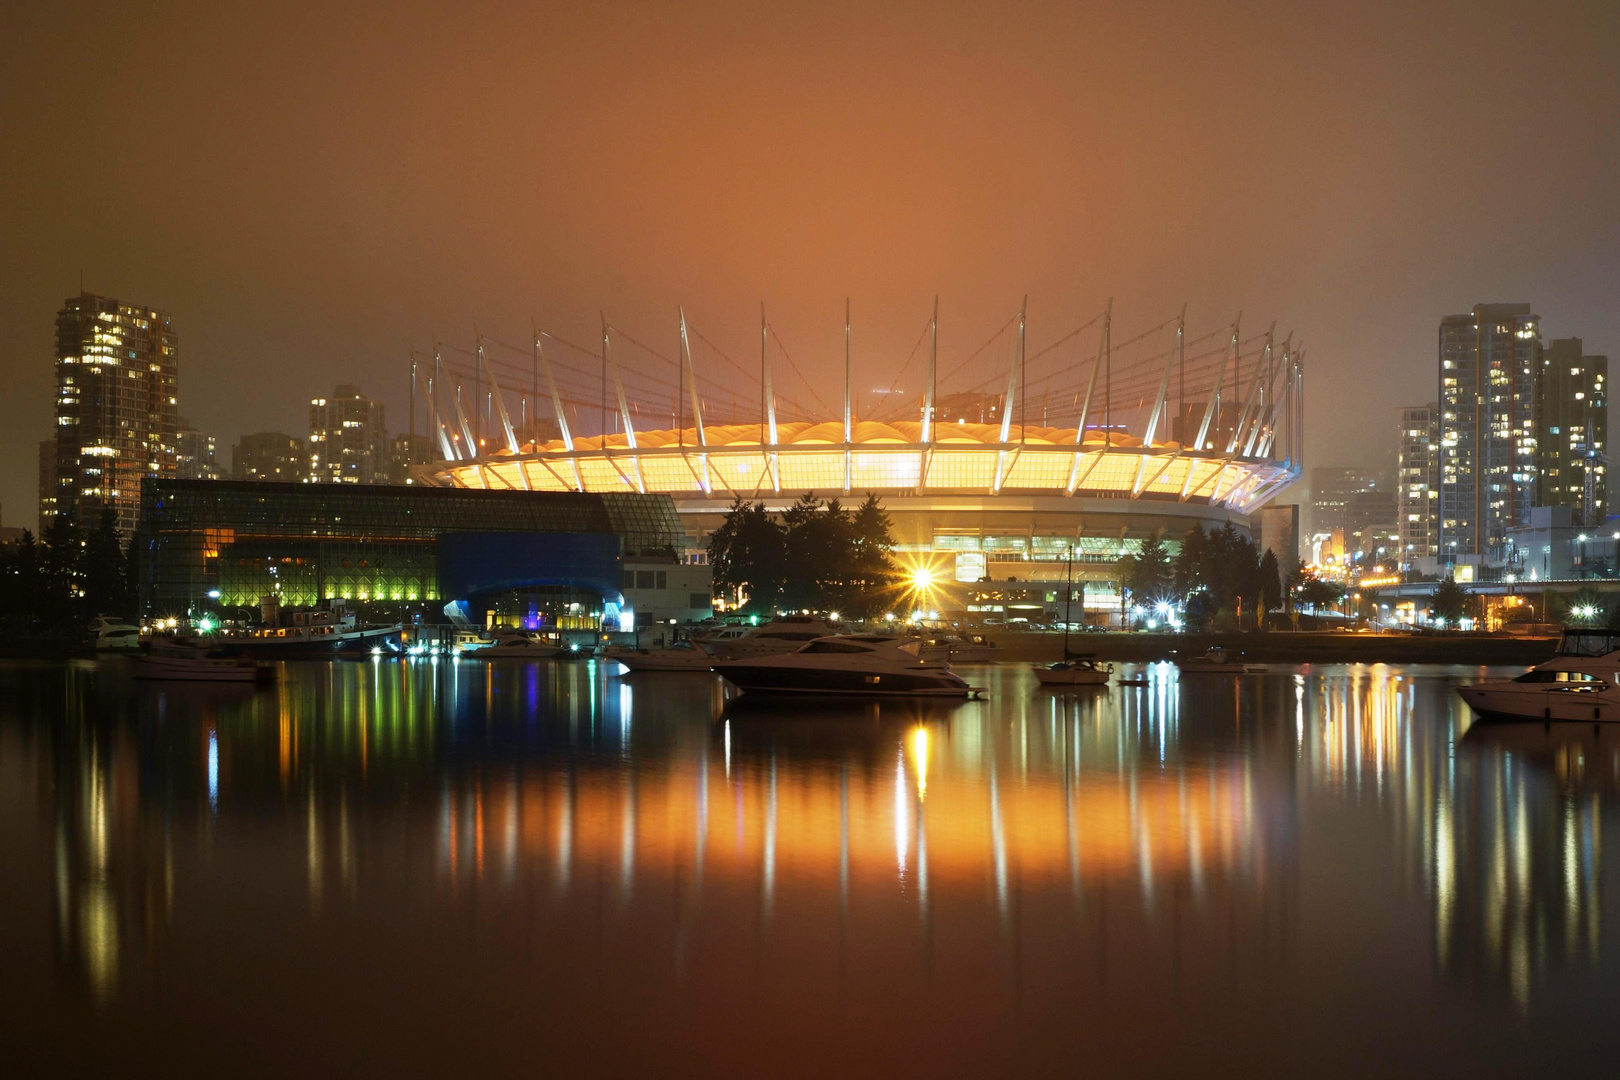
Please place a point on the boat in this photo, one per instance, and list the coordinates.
(1081, 670)
(1581, 682)
(783, 634)
(182, 660)
(1215, 661)
(108, 634)
(514, 645)
(1075, 669)
(960, 650)
(864, 664)
(318, 634)
(681, 656)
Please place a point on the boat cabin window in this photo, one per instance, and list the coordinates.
(1588, 643)
(834, 646)
(1558, 677)
(911, 648)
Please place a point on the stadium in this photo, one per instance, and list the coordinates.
(1003, 471)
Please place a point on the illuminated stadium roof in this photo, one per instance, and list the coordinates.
(1241, 409)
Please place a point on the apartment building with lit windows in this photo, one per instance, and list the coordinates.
(1417, 481)
(117, 391)
(1487, 428)
(1572, 410)
(348, 439)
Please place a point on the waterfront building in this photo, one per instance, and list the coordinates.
(1351, 501)
(117, 392)
(194, 457)
(1572, 431)
(1488, 364)
(1418, 482)
(348, 439)
(543, 558)
(406, 451)
(269, 455)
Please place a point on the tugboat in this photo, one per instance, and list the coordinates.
(328, 634)
(864, 664)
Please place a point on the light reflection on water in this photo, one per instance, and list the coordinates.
(1322, 850)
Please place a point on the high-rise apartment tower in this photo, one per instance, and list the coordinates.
(1418, 480)
(117, 388)
(1572, 431)
(348, 440)
(1488, 364)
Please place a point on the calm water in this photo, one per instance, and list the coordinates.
(542, 868)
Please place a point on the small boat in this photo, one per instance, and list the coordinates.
(191, 661)
(960, 650)
(681, 656)
(1131, 682)
(515, 645)
(1215, 662)
(865, 664)
(1078, 670)
(781, 635)
(1582, 683)
(108, 634)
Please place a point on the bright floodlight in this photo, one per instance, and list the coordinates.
(922, 577)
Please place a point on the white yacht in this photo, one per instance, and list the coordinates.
(1581, 683)
(863, 664)
(782, 634)
(181, 660)
(514, 645)
(681, 656)
(110, 634)
(957, 649)
(1216, 661)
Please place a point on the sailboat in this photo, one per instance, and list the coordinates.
(1075, 669)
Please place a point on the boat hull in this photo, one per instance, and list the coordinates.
(197, 671)
(654, 662)
(768, 679)
(353, 643)
(1048, 677)
(1521, 701)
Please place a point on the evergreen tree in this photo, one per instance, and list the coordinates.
(102, 572)
(1450, 601)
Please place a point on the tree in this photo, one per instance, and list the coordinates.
(1318, 593)
(1147, 574)
(1450, 602)
(872, 572)
(103, 572)
(749, 557)
(1268, 586)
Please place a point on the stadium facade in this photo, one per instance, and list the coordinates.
(989, 510)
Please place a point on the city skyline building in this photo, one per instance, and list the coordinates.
(1572, 425)
(195, 454)
(47, 483)
(348, 438)
(269, 455)
(1418, 481)
(1351, 501)
(1488, 361)
(117, 396)
(405, 451)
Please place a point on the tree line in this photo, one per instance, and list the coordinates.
(816, 555)
(56, 583)
(1216, 576)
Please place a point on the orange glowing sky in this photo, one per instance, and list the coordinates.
(311, 190)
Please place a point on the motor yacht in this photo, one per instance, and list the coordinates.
(957, 649)
(681, 656)
(1582, 682)
(1080, 670)
(1216, 661)
(866, 664)
(515, 645)
(191, 661)
(783, 634)
(108, 634)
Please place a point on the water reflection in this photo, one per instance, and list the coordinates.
(1163, 836)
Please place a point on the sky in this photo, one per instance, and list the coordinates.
(314, 190)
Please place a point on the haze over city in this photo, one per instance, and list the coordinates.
(311, 192)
